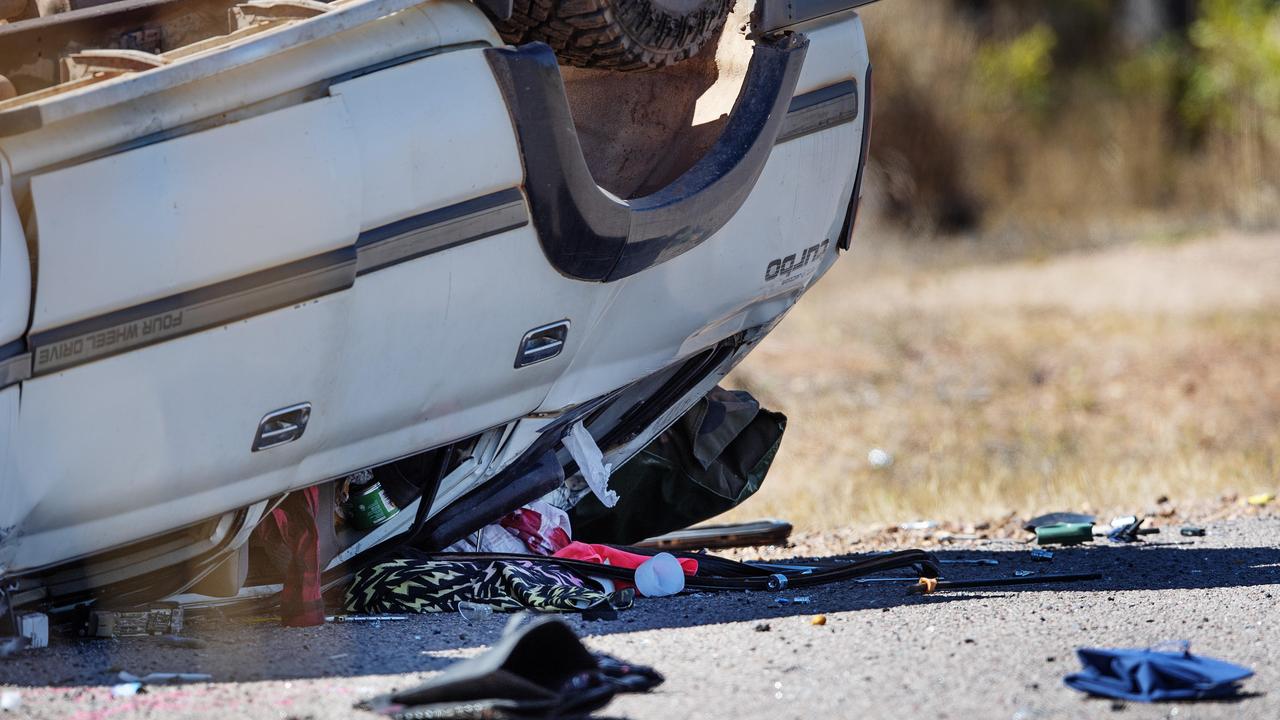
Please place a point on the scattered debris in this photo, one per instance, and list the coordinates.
(178, 641)
(474, 612)
(542, 527)
(364, 618)
(1058, 518)
(10, 700)
(609, 555)
(11, 645)
(366, 505)
(1074, 533)
(749, 534)
(492, 538)
(879, 459)
(919, 525)
(818, 620)
(339, 656)
(606, 612)
(1023, 573)
(1064, 533)
(538, 527)
(1192, 531)
(762, 627)
(1128, 532)
(158, 678)
(425, 585)
(927, 586)
(660, 576)
(537, 670)
(799, 600)
(157, 619)
(1152, 675)
(583, 449)
(956, 537)
(1261, 499)
(294, 525)
(35, 628)
(710, 460)
(1042, 555)
(128, 689)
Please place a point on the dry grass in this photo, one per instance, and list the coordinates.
(1095, 380)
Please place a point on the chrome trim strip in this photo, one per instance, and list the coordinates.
(189, 312)
(441, 229)
(818, 110)
(15, 368)
(215, 305)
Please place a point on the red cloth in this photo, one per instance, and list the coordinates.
(606, 555)
(541, 533)
(292, 526)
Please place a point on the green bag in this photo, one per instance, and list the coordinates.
(714, 457)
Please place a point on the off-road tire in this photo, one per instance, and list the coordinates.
(615, 34)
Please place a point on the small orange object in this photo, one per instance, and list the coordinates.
(926, 586)
(818, 620)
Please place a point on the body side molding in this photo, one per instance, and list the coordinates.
(221, 303)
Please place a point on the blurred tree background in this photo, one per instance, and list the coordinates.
(1066, 120)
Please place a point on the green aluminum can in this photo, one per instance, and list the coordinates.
(368, 506)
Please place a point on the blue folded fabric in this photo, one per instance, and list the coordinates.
(1152, 675)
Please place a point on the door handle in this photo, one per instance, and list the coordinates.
(282, 426)
(542, 343)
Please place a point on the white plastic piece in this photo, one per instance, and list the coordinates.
(34, 627)
(660, 576)
(10, 700)
(474, 612)
(128, 689)
(163, 678)
(582, 447)
(607, 586)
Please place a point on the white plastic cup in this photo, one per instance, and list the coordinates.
(660, 576)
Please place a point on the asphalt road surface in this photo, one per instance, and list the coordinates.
(881, 654)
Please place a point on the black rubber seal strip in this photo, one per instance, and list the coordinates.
(589, 234)
(855, 199)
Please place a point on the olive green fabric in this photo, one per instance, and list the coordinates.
(709, 461)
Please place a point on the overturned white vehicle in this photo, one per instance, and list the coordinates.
(251, 248)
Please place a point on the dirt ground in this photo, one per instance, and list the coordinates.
(881, 653)
(991, 382)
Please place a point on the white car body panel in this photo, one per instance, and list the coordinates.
(411, 351)
(406, 136)
(177, 215)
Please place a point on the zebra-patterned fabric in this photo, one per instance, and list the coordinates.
(439, 585)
